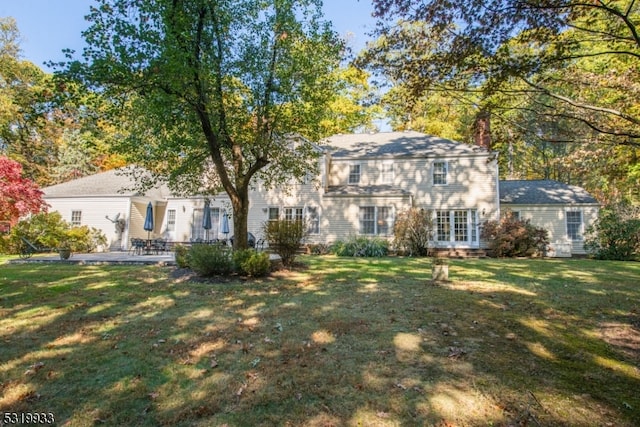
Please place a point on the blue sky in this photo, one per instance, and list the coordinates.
(48, 26)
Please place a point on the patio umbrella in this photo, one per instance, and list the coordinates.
(206, 219)
(225, 225)
(148, 220)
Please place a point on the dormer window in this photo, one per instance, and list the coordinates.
(440, 173)
(354, 173)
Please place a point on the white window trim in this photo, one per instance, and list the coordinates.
(359, 165)
(580, 230)
(392, 173)
(446, 173)
(391, 219)
(473, 229)
(308, 218)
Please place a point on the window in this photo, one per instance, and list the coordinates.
(574, 225)
(171, 220)
(291, 214)
(367, 220)
(439, 173)
(76, 218)
(387, 173)
(354, 173)
(460, 226)
(443, 226)
(464, 222)
(198, 232)
(376, 220)
(383, 220)
(313, 220)
(274, 214)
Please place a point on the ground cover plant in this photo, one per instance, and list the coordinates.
(340, 341)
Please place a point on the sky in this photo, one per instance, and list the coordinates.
(49, 26)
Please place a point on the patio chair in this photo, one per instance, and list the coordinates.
(137, 246)
(159, 246)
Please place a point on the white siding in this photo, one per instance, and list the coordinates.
(553, 219)
(94, 212)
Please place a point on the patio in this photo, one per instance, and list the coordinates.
(119, 257)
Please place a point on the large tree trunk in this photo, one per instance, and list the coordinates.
(240, 205)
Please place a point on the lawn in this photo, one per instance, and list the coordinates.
(337, 342)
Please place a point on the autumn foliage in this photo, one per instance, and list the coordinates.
(19, 196)
(513, 237)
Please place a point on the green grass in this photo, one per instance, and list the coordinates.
(341, 342)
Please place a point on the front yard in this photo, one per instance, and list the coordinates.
(339, 342)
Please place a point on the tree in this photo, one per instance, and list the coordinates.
(28, 125)
(616, 234)
(19, 196)
(219, 94)
(486, 46)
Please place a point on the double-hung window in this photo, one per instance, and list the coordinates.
(313, 220)
(386, 172)
(376, 220)
(274, 214)
(354, 173)
(171, 220)
(574, 225)
(439, 173)
(76, 218)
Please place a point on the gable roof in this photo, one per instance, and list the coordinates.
(542, 192)
(112, 183)
(395, 144)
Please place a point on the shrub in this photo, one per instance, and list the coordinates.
(240, 256)
(412, 232)
(49, 230)
(182, 256)
(284, 238)
(361, 246)
(210, 260)
(319, 249)
(615, 235)
(257, 265)
(511, 237)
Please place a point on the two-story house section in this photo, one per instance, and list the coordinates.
(373, 177)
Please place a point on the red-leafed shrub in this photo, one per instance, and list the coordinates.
(19, 196)
(512, 237)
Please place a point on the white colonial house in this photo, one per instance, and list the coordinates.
(364, 181)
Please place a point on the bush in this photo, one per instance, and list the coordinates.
(284, 238)
(511, 237)
(257, 265)
(182, 256)
(412, 232)
(319, 249)
(615, 235)
(361, 246)
(49, 230)
(241, 256)
(210, 260)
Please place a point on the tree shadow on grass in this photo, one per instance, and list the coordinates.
(346, 342)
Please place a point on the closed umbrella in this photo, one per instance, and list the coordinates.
(206, 220)
(148, 220)
(224, 227)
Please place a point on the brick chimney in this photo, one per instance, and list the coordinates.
(482, 129)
